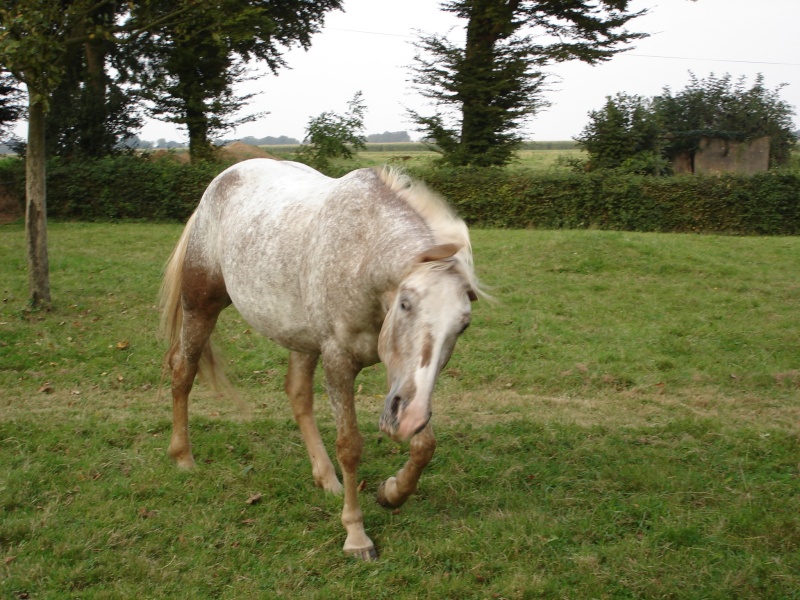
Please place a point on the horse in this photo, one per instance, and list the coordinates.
(369, 267)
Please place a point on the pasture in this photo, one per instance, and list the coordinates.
(536, 156)
(622, 423)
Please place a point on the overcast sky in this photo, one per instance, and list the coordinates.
(368, 47)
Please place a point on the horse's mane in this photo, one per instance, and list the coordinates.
(446, 226)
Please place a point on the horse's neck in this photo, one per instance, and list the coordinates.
(396, 244)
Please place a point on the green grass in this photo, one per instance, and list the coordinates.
(622, 423)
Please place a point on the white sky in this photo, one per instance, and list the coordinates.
(369, 47)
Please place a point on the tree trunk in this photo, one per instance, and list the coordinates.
(200, 147)
(489, 20)
(36, 205)
(96, 140)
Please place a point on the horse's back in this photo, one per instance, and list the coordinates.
(291, 245)
(251, 227)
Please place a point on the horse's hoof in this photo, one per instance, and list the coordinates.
(332, 487)
(185, 462)
(368, 554)
(383, 499)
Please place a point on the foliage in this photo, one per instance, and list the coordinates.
(621, 424)
(119, 187)
(484, 91)
(192, 66)
(721, 107)
(37, 38)
(94, 107)
(643, 135)
(331, 135)
(625, 134)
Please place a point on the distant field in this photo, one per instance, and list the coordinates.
(540, 156)
(621, 423)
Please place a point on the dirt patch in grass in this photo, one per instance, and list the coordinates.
(10, 210)
(479, 408)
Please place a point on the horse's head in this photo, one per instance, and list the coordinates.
(426, 314)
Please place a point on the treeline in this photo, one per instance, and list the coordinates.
(135, 187)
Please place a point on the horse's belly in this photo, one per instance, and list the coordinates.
(280, 318)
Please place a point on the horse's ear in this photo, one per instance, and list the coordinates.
(473, 297)
(439, 252)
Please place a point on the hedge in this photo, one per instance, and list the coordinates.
(764, 204)
(116, 188)
(131, 187)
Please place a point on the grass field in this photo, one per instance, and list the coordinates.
(622, 423)
(536, 156)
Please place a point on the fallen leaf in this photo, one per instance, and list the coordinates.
(363, 485)
(248, 522)
(255, 498)
(123, 344)
(10, 559)
(46, 389)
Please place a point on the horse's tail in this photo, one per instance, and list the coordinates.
(209, 367)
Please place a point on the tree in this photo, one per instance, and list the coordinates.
(92, 111)
(644, 135)
(192, 66)
(37, 37)
(625, 134)
(331, 135)
(723, 108)
(484, 91)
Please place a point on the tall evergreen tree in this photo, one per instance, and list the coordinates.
(495, 81)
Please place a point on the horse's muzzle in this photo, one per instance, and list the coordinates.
(403, 419)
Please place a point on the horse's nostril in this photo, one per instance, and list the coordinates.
(396, 404)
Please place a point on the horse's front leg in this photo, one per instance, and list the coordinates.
(340, 372)
(300, 389)
(395, 491)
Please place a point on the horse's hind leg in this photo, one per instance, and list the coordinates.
(395, 491)
(300, 389)
(199, 319)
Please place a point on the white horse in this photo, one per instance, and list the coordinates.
(366, 268)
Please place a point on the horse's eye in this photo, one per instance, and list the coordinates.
(405, 305)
